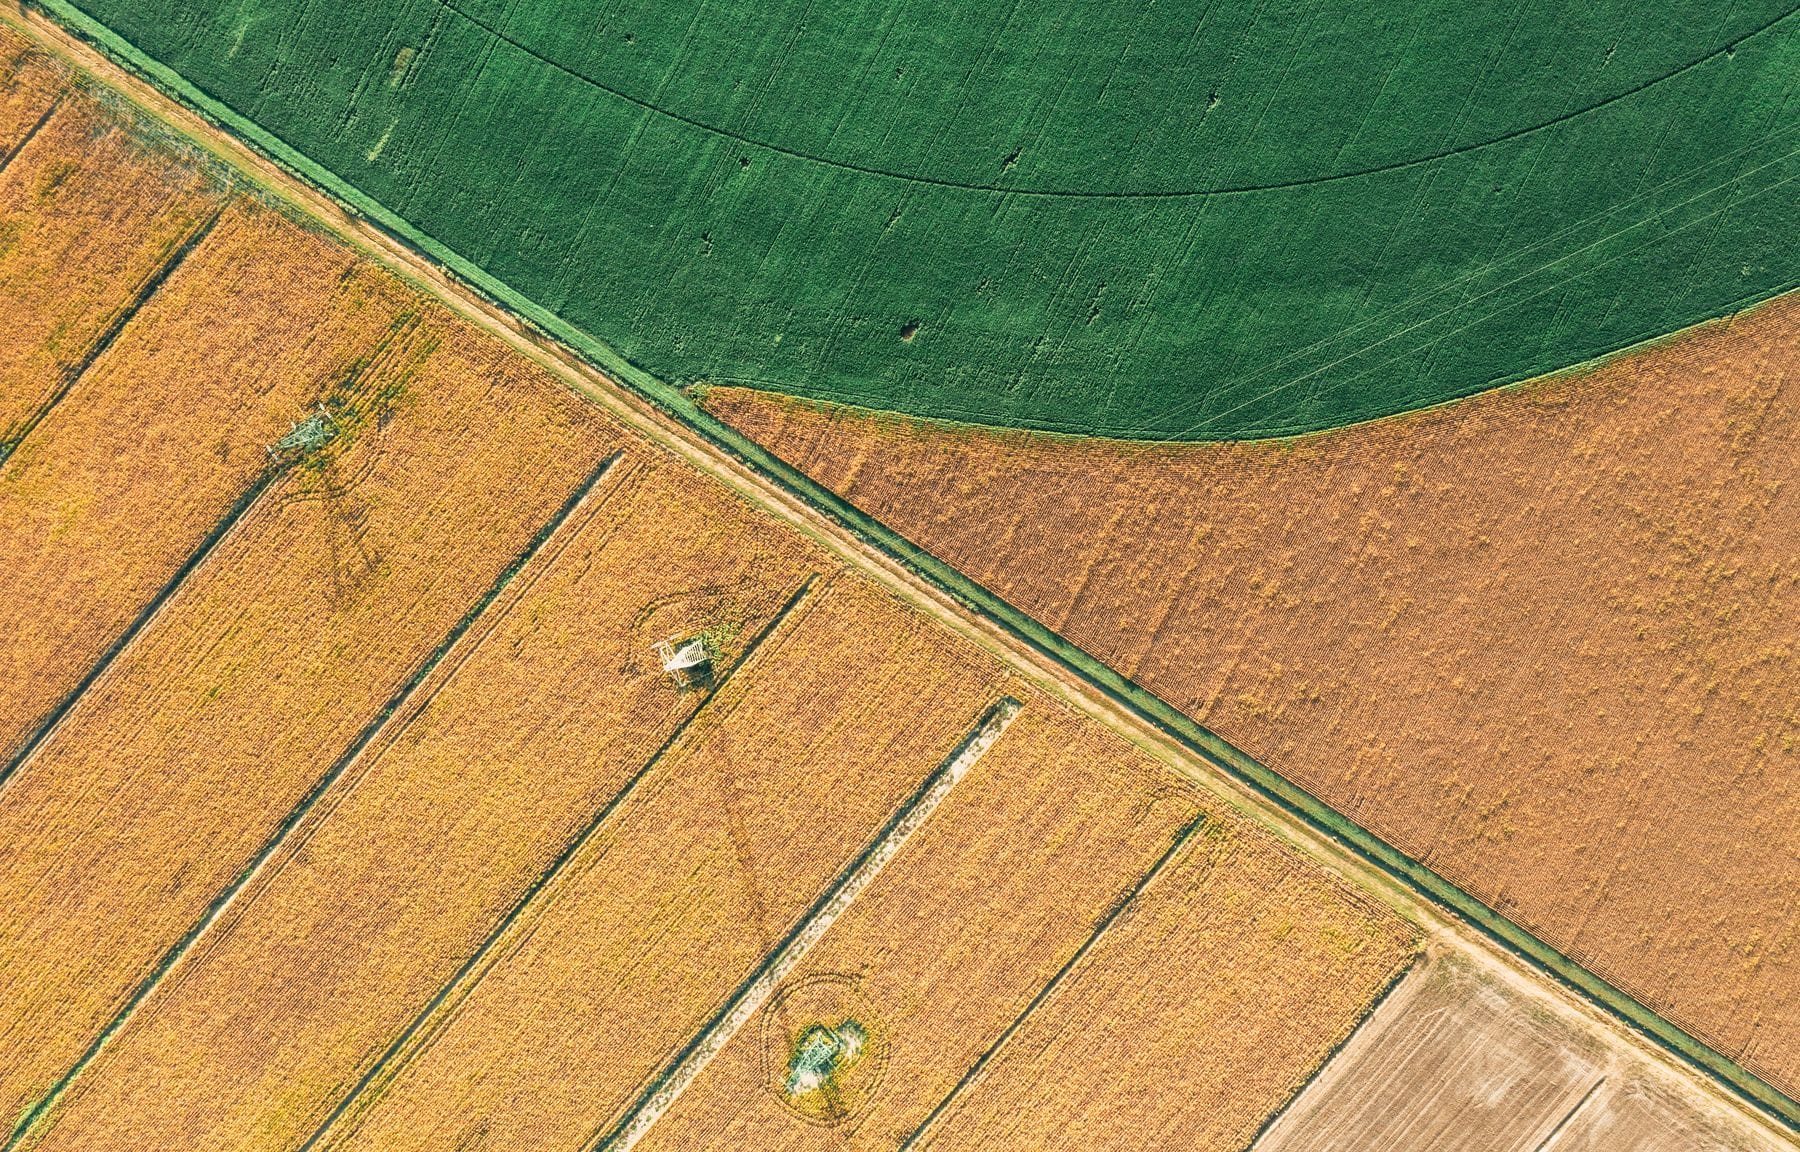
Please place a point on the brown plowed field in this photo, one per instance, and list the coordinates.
(88, 216)
(1205, 1006)
(188, 753)
(115, 489)
(1542, 638)
(948, 946)
(545, 717)
(691, 882)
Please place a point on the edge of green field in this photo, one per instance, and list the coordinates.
(1210, 747)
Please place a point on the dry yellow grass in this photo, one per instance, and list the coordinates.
(112, 492)
(1207, 1004)
(183, 759)
(88, 215)
(691, 882)
(539, 721)
(949, 945)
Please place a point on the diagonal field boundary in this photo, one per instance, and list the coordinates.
(400, 1051)
(667, 1086)
(1176, 844)
(72, 374)
(553, 333)
(31, 133)
(224, 898)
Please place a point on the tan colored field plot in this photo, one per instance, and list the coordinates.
(1446, 1063)
(552, 707)
(1211, 1000)
(112, 492)
(89, 218)
(949, 945)
(1541, 639)
(183, 759)
(682, 892)
(1462, 1059)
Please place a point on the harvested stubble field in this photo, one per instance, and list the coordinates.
(1024, 867)
(683, 890)
(1460, 1059)
(155, 445)
(192, 749)
(368, 900)
(1220, 989)
(90, 217)
(1540, 639)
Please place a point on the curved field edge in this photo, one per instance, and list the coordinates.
(1148, 707)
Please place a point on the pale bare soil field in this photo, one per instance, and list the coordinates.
(544, 713)
(90, 216)
(1541, 639)
(699, 873)
(191, 750)
(1460, 1059)
(113, 491)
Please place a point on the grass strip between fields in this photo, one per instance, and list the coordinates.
(1149, 707)
(664, 1088)
(1179, 841)
(370, 731)
(400, 1051)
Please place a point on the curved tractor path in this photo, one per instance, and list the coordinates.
(1165, 222)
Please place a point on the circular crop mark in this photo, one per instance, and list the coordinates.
(823, 1051)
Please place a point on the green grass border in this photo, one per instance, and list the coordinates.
(1212, 748)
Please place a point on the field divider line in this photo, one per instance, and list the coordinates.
(224, 898)
(147, 288)
(1563, 1124)
(1111, 916)
(668, 1085)
(422, 1030)
(31, 132)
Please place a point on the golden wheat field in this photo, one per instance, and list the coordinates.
(1014, 874)
(191, 750)
(714, 856)
(540, 716)
(147, 455)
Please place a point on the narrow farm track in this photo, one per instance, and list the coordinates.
(1011, 190)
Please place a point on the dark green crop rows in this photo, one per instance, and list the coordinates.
(1181, 220)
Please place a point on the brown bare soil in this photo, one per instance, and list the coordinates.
(949, 945)
(119, 484)
(546, 716)
(1541, 639)
(88, 215)
(182, 760)
(1205, 1006)
(692, 881)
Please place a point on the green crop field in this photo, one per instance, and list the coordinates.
(1184, 220)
